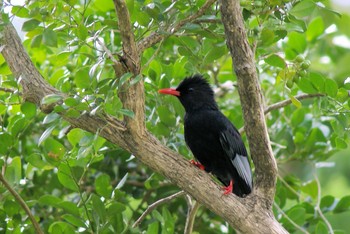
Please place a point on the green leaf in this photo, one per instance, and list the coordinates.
(136, 79)
(70, 101)
(340, 143)
(37, 161)
(303, 8)
(318, 81)
(122, 181)
(11, 208)
(331, 88)
(6, 142)
(61, 227)
(126, 112)
(306, 86)
(216, 52)
(99, 208)
(74, 220)
(82, 78)
(321, 228)
(298, 116)
(327, 202)
(166, 117)
(30, 25)
(104, 5)
(116, 207)
(124, 78)
(50, 37)
(13, 171)
(46, 134)
(315, 29)
(315, 136)
(343, 205)
(276, 61)
(297, 42)
(310, 188)
(75, 135)
(72, 113)
(66, 178)
(51, 118)
(295, 101)
(17, 124)
(20, 11)
(36, 41)
(69, 207)
(267, 37)
(153, 228)
(82, 32)
(103, 185)
(51, 98)
(49, 200)
(28, 109)
(297, 214)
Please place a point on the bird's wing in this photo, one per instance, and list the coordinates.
(233, 146)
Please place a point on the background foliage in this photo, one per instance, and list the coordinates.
(74, 181)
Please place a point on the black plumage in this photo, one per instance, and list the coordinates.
(212, 138)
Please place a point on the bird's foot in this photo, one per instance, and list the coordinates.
(197, 164)
(229, 188)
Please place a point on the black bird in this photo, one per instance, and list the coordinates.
(212, 138)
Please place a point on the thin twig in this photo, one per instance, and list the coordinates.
(22, 204)
(155, 37)
(191, 215)
(284, 103)
(107, 51)
(155, 204)
(288, 186)
(289, 219)
(9, 90)
(318, 208)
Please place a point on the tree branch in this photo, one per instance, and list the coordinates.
(154, 205)
(287, 102)
(132, 97)
(252, 105)
(9, 90)
(132, 57)
(22, 203)
(132, 136)
(284, 103)
(191, 216)
(155, 37)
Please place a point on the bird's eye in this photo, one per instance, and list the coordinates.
(190, 89)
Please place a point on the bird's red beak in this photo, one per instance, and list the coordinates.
(170, 91)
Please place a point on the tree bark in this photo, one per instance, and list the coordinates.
(247, 215)
(251, 101)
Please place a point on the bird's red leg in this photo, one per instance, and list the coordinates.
(197, 164)
(229, 188)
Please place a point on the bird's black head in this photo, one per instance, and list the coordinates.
(194, 94)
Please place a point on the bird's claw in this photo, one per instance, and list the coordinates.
(197, 164)
(228, 189)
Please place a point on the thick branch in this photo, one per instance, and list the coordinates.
(252, 105)
(132, 97)
(155, 37)
(131, 54)
(23, 68)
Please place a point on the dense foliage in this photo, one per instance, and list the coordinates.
(75, 181)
